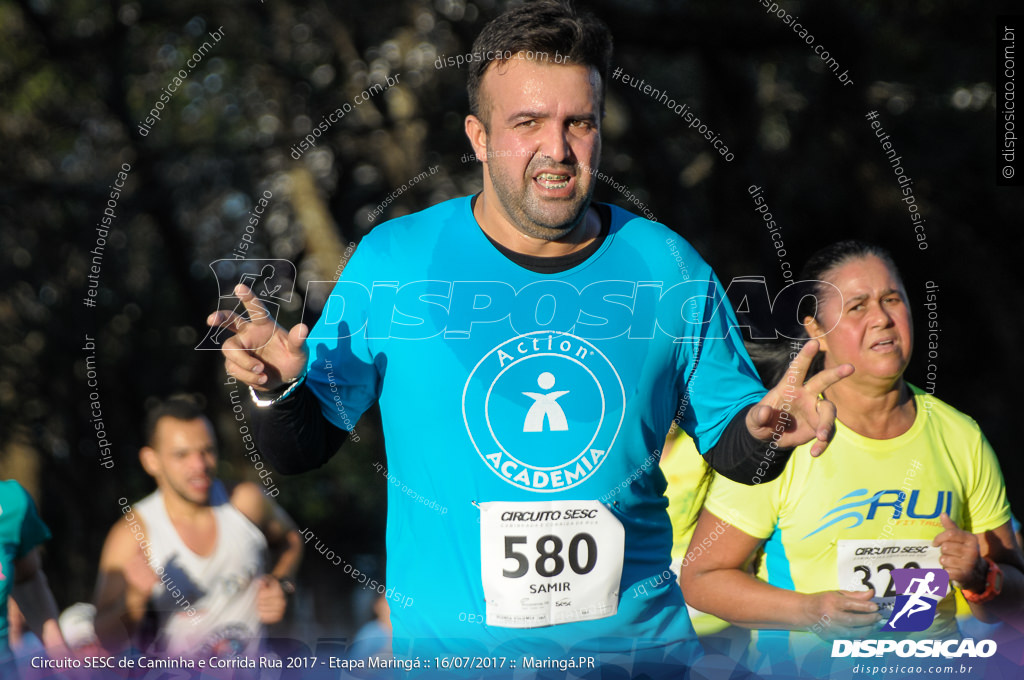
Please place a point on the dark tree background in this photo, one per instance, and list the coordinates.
(78, 77)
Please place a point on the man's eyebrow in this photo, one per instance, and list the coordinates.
(518, 115)
(526, 114)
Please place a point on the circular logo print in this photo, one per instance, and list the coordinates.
(543, 410)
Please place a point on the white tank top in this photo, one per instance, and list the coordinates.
(205, 606)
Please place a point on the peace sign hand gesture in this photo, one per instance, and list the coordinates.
(793, 412)
(261, 353)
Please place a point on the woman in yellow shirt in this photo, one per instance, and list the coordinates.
(908, 482)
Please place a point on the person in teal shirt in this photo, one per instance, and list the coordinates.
(21, 574)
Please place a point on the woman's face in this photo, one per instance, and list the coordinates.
(869, 320)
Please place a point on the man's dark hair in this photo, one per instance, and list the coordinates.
(178, 406)
(547, 27)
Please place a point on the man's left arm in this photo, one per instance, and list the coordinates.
(754, 445)
(794, 412)
(743, 458)
(790, 414)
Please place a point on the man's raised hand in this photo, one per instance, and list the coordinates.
(792, 413)
(261, 353)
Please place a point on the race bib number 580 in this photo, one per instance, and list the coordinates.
(549, 562)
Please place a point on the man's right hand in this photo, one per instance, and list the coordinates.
(261, 353)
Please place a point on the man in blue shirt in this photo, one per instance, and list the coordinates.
(529, 350)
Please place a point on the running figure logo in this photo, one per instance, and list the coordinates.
(272, 282)
(545, 406)
(914, 609)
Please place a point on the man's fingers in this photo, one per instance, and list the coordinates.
(258, 314)
(235, 350)
(297, 336)
(825, 379)
(761, 415)
(825, 428)
(248, 371)
(802, 361)
(223, 316)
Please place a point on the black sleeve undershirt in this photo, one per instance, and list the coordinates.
(295, 437)
(742, 457)
(293, 434)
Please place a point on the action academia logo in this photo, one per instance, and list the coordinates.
(919, 592)
(543, 410)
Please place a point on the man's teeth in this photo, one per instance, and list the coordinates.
(553, 181)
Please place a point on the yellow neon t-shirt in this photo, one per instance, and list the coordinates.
(870, 490)
(685, 471)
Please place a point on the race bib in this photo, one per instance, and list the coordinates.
(549, 562)
(865, 564)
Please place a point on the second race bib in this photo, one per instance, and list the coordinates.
(865, 564)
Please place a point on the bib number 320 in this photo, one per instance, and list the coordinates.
(868, 565)
(549, 562)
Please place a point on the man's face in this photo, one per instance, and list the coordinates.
(183, 458)
(541, 142)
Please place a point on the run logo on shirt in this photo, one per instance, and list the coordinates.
(919, 506)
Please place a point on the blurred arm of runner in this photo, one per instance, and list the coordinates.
(261, 354)
(292, 434)
(284, 542)
(715, 581)
(964, 558)
(32, 594)
(123, 586)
